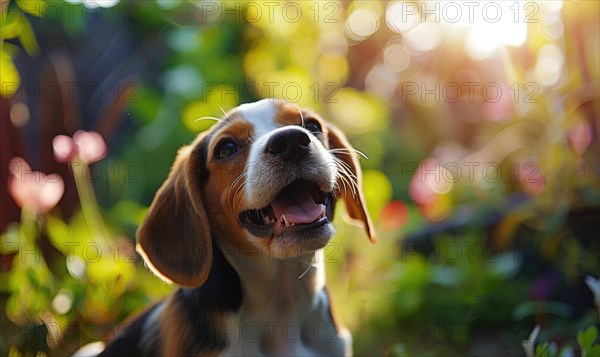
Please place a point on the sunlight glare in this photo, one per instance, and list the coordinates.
(92, 4)
(489, 25)
(552, 6)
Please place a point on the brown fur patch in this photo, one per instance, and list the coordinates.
(288, 114)
(224, 191)
(176, 335)
(355, 203)
(174, 238)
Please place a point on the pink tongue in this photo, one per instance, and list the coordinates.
(298, 208)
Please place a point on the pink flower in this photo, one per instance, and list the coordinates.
(580, 137)
(64, 148)
(33, 190)
(89, 146)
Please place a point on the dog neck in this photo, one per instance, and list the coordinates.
(287, 301)
(268, 280)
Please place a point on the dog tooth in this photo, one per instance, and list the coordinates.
(285, 221)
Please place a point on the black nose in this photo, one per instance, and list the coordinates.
(289, 145)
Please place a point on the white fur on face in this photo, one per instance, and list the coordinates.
(261, 115)
(266, 175)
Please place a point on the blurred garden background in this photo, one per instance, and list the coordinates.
(480, 120)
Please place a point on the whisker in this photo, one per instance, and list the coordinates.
(311, 265)
(248, 138)
(348, 150)
(346, 168)
(343, 180)
(336, 186)
(301, 115)
(353, 182)
(208, 118)
(239, 177)
(243, 197)
(347, 176)
(237, 191)
(237, 208)
(236, 181)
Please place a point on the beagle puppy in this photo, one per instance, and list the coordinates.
(240, 225)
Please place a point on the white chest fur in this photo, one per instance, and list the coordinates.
(285, 311)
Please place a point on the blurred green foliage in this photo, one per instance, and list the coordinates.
(474, 290)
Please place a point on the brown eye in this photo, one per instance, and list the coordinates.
(312, 126)
(225, 149)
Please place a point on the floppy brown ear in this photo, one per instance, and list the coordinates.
(354, 199)
(175, 239)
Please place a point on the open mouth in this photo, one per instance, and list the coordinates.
(299, 206)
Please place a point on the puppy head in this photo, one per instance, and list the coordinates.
(266, 177)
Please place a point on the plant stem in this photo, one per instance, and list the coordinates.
(89, 204)
(28, 226)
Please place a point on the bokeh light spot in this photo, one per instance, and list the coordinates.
(19, 114)
(424, 37)
(396, 57)
(398, 17)
(548, 68)
(62, 302)
(362, 23)
(394, 215)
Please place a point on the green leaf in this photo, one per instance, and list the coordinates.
(10, 49)
(27, 38)
(545, 349)
(586, 338)
(10, 80)
(11, 28)
(33, 7)
(59, 234)
(10, 240)
(593, 351)
(13, 351)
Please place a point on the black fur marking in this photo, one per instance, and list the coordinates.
(221, 293)
(128, 342)
(201, 150)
